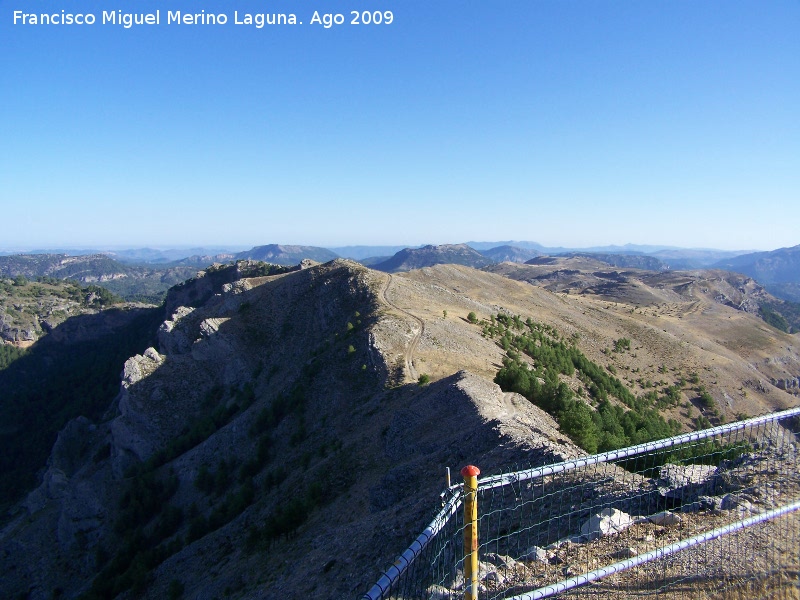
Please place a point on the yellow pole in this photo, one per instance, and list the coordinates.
(470, 474)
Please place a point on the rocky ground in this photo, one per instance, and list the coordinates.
(31, 309)
(528, 543)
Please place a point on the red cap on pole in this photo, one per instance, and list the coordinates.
(470, 471)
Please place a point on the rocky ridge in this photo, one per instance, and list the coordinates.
(279, 423)
(257, 344)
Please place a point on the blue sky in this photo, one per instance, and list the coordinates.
(564, 122)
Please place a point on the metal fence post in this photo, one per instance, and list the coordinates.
(470, 474)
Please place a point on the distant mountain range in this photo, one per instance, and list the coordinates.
(87, 268)
(154, 256)
(672, 256)
(360, 253)
(777, 266)
(137, 256)
(146, 272)
(627, 248)
(778, 271)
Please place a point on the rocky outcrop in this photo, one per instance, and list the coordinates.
(16, 334)
(431, 431)
(24, 319)
(134, 434)
(608, 521)
(210, 281)
(786, 383)
(63, 519)
(172, 338)
(684, 482)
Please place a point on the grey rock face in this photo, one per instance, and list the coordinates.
(685, 483)
(132, 432)
(172, 336)
(16, 334)
(665, 518)
(535, 553)
(54, 487)
(736, 502)
(609, 521)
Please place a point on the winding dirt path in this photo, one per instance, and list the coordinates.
(408, 356)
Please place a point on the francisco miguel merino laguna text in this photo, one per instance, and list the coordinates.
(173, 17)
(176, 17)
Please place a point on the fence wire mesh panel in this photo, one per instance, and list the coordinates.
(431, 558)
(713, 514)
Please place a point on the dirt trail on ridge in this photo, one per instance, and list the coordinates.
(408, 355)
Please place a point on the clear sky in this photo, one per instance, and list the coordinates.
(573, 123)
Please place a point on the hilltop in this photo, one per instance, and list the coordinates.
(275, 441)
(427, 256)
(509, 254)
(286, 255)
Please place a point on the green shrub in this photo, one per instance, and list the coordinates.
(706, 401)
(622, 344)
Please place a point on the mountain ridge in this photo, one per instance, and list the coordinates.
(777, 266)
(284, 409)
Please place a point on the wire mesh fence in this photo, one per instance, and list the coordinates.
(711, 514)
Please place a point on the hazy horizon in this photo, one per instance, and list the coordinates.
(221, 247)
